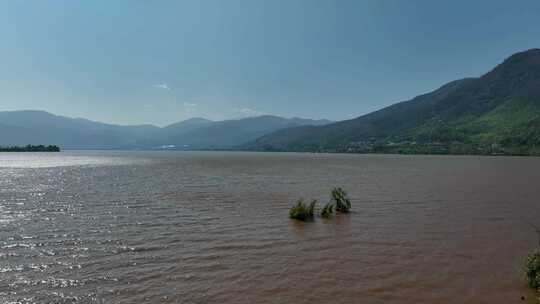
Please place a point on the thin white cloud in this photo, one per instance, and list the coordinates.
(247, 112)
(189, 104)
(162, 86)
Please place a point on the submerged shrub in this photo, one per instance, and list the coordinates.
(339, 196)
(532, 269)
(327, 210)
(302, 211)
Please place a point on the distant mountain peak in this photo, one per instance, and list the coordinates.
(189, 123)
(519, 62)
(528, 54)
(197, 119)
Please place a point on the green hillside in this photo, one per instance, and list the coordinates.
(498, 113)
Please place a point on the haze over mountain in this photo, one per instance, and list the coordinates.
(40, 127)
(498, 112)
(230, 133)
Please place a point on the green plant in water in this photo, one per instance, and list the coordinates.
(302, 211)
(327, 210)
(532, 269)
(339, 196)
(532, 265)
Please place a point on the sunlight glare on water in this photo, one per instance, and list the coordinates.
(61, 159)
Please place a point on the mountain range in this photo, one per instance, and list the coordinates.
(40, 127)
(497, 113)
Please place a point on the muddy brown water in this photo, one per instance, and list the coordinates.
(213, 227)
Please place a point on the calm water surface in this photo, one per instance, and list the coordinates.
(171, 227)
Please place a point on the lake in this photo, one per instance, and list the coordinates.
(213, 227)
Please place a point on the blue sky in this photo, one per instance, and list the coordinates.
(159, 62)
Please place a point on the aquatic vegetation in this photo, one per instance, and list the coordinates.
(532, 269)
(342, 202)
(327, 210)
(532, 265)
(302, 211)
